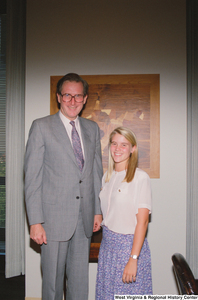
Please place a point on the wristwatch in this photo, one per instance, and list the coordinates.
(134, 256)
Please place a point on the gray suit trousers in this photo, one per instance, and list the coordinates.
(72, 256)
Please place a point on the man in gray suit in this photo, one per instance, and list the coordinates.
(63, 171)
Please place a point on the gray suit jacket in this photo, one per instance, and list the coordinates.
(54, 185)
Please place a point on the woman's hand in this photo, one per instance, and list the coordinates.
(130, 271)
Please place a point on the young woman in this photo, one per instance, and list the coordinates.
(124, 265)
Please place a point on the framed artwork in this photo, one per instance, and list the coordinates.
(123, 100)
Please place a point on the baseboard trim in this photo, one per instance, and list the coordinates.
(30, 298)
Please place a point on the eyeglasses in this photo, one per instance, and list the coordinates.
(78, 97)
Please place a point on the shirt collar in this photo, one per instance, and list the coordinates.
(66, 120)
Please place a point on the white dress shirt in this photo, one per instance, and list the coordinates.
(68, 127)
(120, 200)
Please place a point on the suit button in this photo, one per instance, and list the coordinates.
(77, 197)
(80, 181)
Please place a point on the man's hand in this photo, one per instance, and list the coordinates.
(97, 222)
(37, 234)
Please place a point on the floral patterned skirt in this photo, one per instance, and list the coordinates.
(115, 250)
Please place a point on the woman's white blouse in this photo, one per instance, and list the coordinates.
(120, 200)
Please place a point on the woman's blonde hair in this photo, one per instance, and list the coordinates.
(133, 159)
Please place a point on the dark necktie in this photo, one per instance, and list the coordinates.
(77, 146)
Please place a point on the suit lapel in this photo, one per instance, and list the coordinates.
(86, 141)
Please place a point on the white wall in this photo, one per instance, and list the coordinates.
(119, 37)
